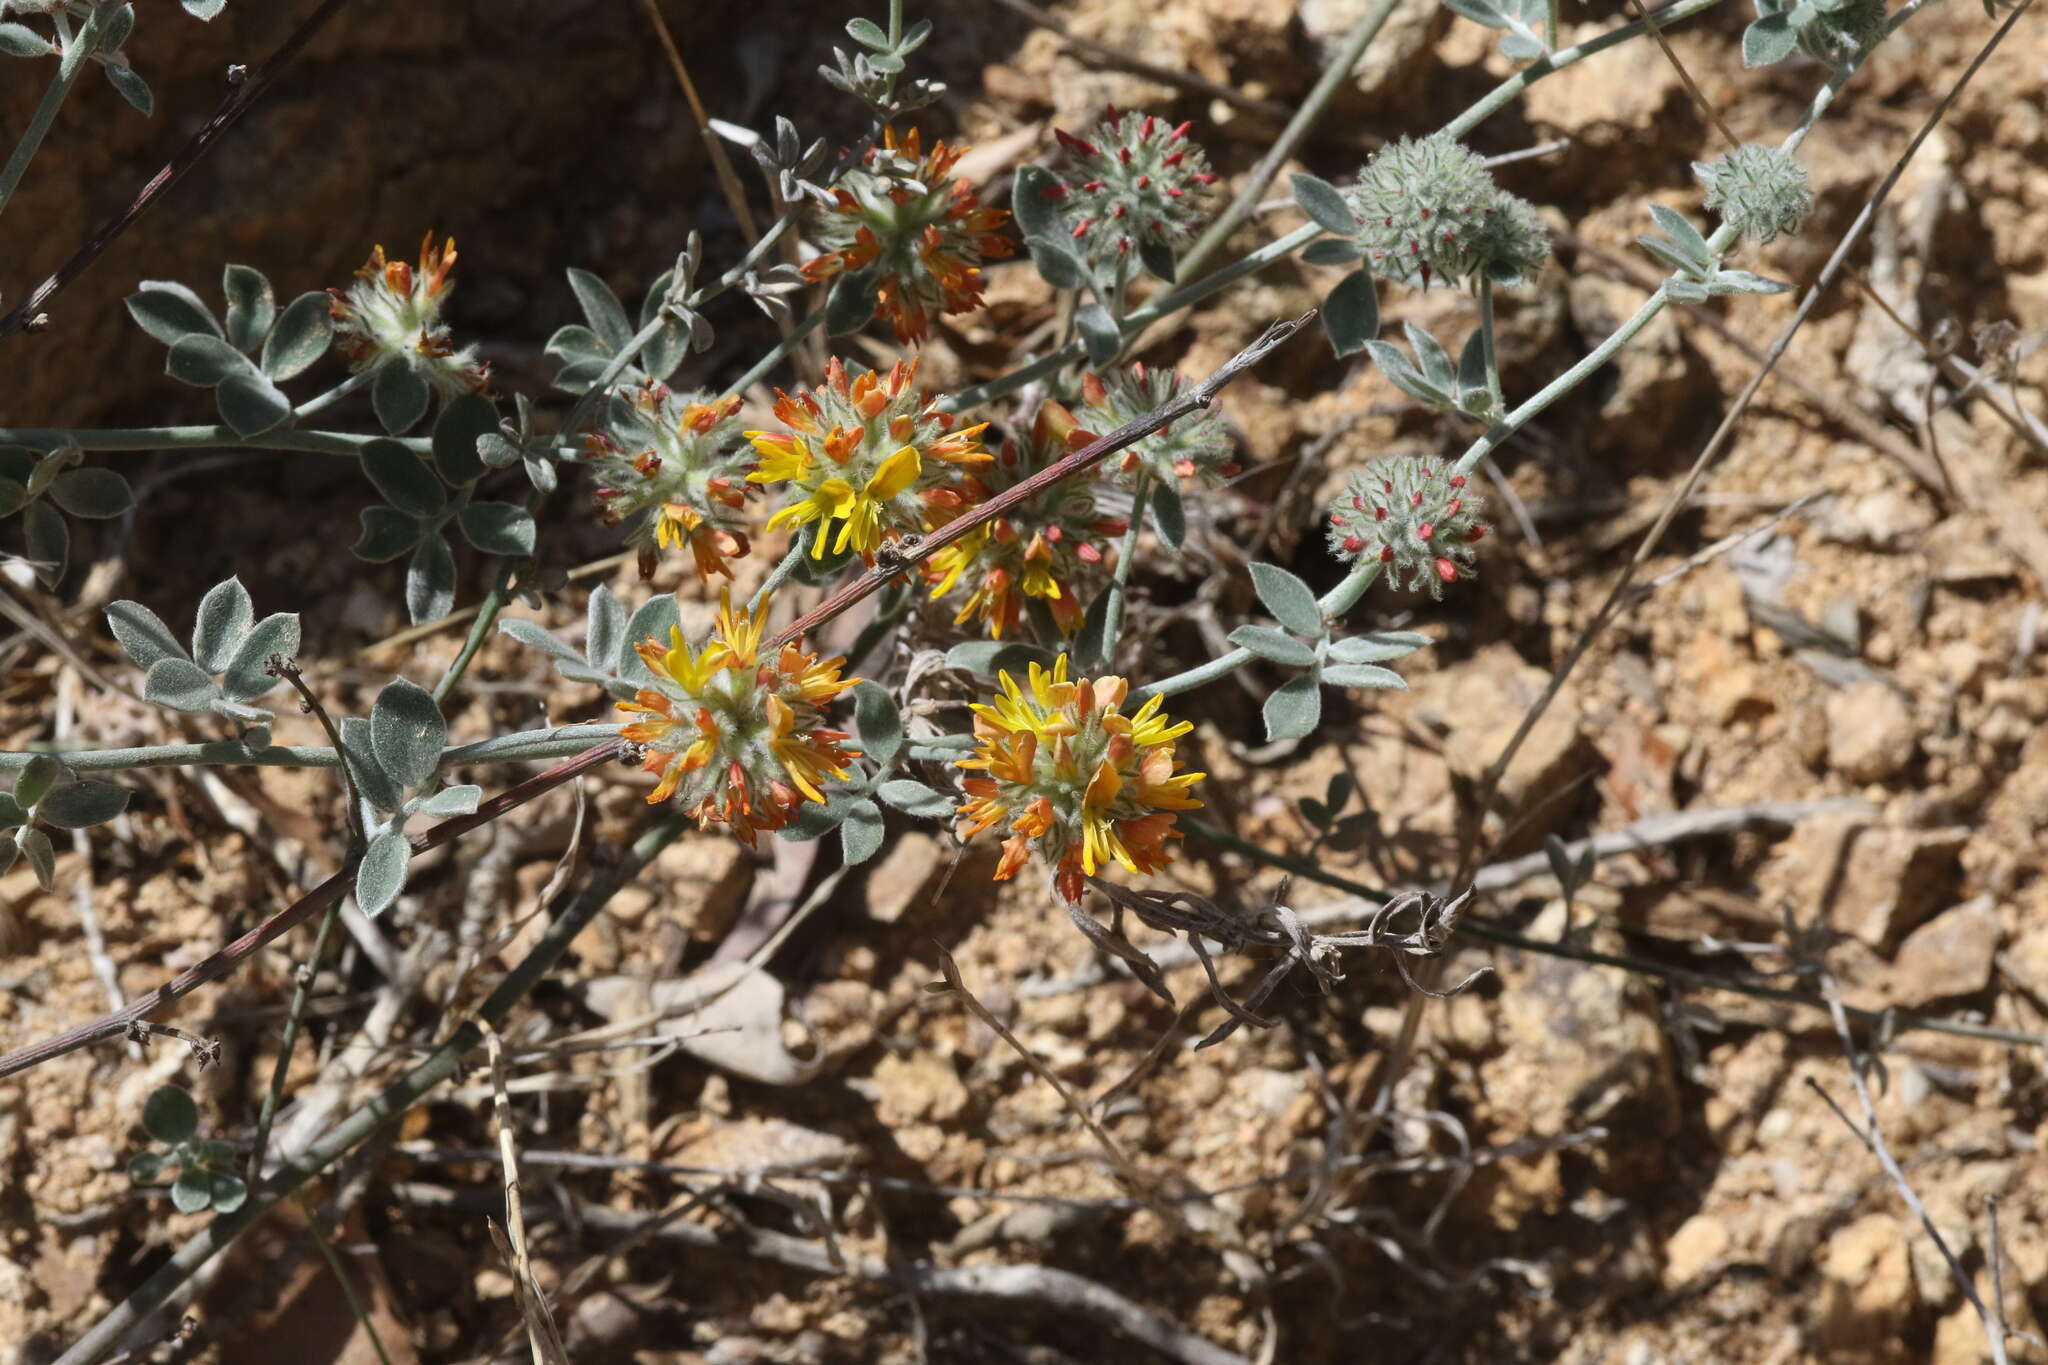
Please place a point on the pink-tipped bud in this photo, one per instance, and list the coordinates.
(1053, 534)
(1205, 178)
(1077, 145)
(1144, 182)
(1175, 159)
(1145, 128)
(1354, 543)
(1123, 154)
(1477, 532)
(1054, 191)
(1386, 554)
(1087, 553)
(1447, 571)
(1425, 531)
(1181, 131)
(1081, 228)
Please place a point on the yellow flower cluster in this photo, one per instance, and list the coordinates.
(739, 739)
(1075, 778)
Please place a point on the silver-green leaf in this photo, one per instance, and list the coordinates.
(299, 337)
(247, 675)
(225, 614)
(1293, 709)
(407, 732)
(82, 804)
(1289, 599)
(1275, 645)
(179, 684)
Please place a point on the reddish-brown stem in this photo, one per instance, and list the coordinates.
(118, 1023)
(896, 559)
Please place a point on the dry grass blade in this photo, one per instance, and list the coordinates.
(544, 1339)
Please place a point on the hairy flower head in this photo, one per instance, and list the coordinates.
(1758, 190)
(393, 312)
(736, 737)
(901, 215)
(1131, 182)
(1075, 778)
(1195, 451)
(1039, 550)
(871, 456)
(1412, 515)
(674, 464)
(1428, 209)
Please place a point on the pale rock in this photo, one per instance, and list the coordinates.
(1697, 1247)
(1949, 955)
(1482, 704)
(904, 875)
(1885, 520)
(1868, 1288)
(1873, 882)
(920, 1086)
(1723, 681)
(1871, 735)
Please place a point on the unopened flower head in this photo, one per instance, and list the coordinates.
(393, 312)
(1075, 778)
(1428, 209)
(675, 467)
(923, 234)
(736, 737)
(1413, 515)
(869, 459)
(1131, 181)
(1758, 190)
(1195, 451)
(1040, 550)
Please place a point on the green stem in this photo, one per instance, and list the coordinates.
(781, 572)
(106, 1334)
(1113, 612)
(1335, 74)
(200, 438)
(333, 395)
(1503, 94)
(302, 994)
(1498, 401)
(1557, 388)
(561, 741)
(1333, 603)
(341, 1276)
(1171, 302)
(1550, 26)
(780, 352)
(69, 67)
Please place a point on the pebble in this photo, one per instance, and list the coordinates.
(1871, 735)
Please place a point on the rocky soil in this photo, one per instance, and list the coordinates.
(1575, 1160)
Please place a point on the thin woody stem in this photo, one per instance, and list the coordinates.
(1200, 396)
(319, 898)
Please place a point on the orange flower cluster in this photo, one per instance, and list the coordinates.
(1077, 779)
(902, 217)
(676, 464)
(1038, 550)
(393, 311)
(737, 738)
(870, 455)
